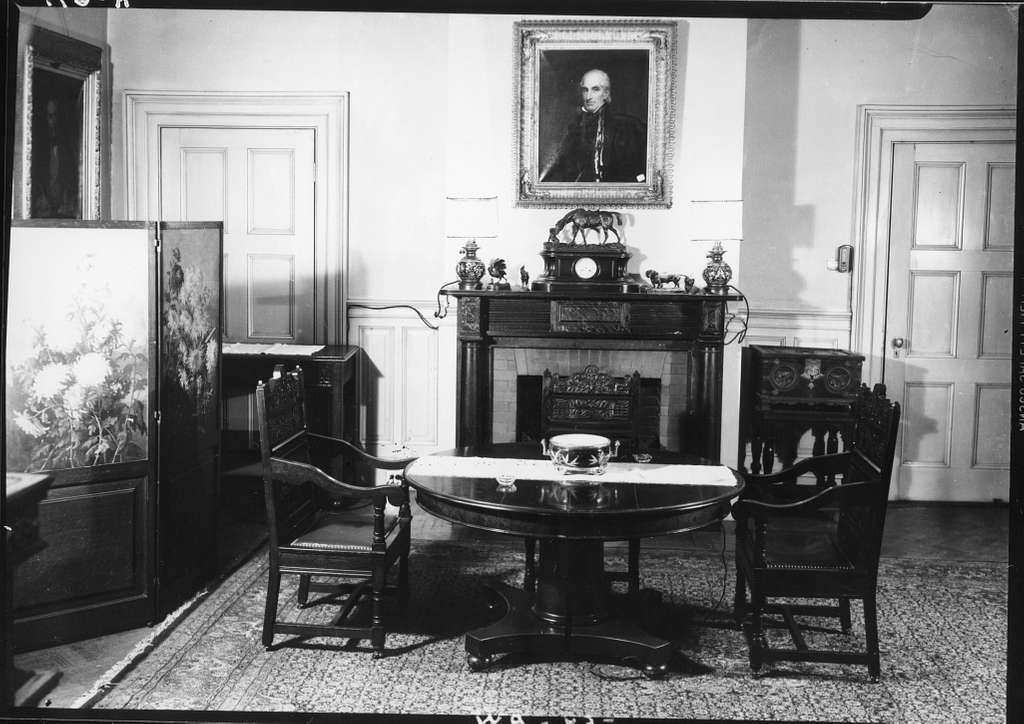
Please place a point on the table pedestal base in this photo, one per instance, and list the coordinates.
(571, 612)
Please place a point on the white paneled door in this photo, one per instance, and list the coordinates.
(948, 317)
(261, 183)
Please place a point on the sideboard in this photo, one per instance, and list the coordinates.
(691, 328)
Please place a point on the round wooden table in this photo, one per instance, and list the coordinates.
(569, 608)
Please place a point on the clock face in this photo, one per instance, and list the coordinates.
(585, 267)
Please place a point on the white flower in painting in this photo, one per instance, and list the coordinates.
(62, 335)
(28, 425)
(91, 369)
(74, 399)
(51, 380)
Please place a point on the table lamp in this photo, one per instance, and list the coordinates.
(470, 218)
(715, 221)
(717, 273)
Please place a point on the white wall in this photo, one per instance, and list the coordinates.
(805, 81)
(432, 115)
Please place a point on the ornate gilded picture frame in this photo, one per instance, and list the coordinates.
(62, 113)
(594, 113)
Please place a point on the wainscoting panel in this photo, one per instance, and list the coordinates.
(418, 409)
(407, 375)
(377, 384)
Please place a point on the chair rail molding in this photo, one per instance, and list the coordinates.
(799, 327)
(879, 128)
(147, 112)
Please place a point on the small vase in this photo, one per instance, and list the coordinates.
(469, 269)
(717, 273)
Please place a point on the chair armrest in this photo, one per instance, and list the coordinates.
(346, 449)
(821, 465)
(296, 472)
(856, 493)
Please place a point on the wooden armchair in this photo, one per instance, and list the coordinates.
(797, 540)
(317, 528)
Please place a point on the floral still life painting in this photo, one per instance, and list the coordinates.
(190, 344)
(77, 353)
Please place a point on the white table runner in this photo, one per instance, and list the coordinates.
(450, 465)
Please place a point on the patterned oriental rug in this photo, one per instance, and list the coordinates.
(942, 628)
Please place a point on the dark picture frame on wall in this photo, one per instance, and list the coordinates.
(62, 113)
(611, 148)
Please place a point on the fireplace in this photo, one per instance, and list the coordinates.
(675, 341)
(517, 374)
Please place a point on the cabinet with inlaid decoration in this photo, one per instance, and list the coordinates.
(786, 392)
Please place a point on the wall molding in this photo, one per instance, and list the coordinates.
(793, 327)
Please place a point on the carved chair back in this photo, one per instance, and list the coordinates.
(281, 415)
(872, 451)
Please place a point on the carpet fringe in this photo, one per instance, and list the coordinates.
(109, 678)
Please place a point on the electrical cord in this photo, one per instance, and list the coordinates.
(396, 306)
(442, 313)
(745, 320)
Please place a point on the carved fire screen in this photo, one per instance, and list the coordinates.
(592, 401)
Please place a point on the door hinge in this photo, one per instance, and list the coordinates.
(156, 417)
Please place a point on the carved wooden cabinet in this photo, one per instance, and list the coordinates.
(786, 391)
(330, 377)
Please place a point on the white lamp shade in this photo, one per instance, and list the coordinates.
(471, 217)
(715, 220)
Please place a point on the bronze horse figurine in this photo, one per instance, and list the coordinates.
(582, 219)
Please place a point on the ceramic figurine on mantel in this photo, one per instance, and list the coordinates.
(469, 269)
(496, 270)
(717, 273)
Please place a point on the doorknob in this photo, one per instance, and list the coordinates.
(897, 345)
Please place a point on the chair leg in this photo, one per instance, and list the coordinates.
(844, 614)
(757, 640)
(303, 592)
(403, 580)
(270, 611)
(633, 572)
(377, 633)
(871, 635)
(530, 575)
(739, 603)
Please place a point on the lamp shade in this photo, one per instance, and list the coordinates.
(714, 220)
(471, 217)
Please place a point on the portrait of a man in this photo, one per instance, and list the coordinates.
(56, 146)
(592, 116)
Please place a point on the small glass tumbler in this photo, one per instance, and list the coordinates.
(506, 482)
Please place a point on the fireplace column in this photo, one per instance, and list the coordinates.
(474, 420)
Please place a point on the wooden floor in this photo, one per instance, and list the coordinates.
(953, 532)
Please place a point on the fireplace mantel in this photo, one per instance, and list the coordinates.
(692, 325)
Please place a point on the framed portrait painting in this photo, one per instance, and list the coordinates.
(594, 112)
(61, 125)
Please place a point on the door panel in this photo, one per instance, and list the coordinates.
(948, 317)
(260, 183)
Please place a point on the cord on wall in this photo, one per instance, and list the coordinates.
(392, 306)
